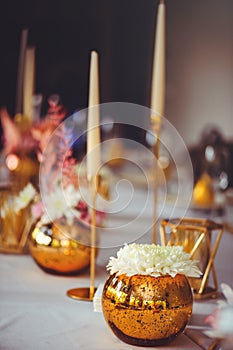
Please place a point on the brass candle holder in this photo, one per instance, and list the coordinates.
(14, 226)
(93, 166)
(87, 293)
(196, 237)
(158, 98)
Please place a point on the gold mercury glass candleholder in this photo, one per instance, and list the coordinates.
(147, 300)
(59, 248)
(196, 236)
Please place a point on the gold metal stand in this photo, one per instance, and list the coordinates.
(87, 293)
(156, 127)
(195, 236)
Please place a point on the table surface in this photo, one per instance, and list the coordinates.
(35, 311)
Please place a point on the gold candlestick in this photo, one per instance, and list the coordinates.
(158, 99)
(87, 293)
(93, 165)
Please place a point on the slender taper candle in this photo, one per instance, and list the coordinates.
(28, 84)
(93, 165)
(158, 99)
(93, 129)
(159, 60)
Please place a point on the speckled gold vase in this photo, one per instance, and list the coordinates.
(144, 310)
(56, 251)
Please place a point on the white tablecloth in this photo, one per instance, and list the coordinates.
(35, 312)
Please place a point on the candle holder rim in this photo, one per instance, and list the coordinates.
(192, 223)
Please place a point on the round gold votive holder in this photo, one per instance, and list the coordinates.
(55, 251)
(144, 310)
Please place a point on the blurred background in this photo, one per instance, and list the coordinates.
(199, 55)
(199, 67)
(199, 92)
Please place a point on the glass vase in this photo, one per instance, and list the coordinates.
(59, 248)
(144, 310)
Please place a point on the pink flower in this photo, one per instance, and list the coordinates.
(37, 210)
(85, 215)
(212, 319)
(11, 134)
(221, 320)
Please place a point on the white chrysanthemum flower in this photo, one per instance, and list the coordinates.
(24, 197)
(45, 219)
(72, 196)
(154, 260)
(61, 204)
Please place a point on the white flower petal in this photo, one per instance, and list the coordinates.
(152, 259)
(24, 198)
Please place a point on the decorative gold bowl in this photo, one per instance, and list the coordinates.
(56, 252)
(144, 310)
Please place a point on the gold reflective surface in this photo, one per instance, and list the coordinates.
(55, 252)
(147, 311)
(200, 238)
(85, 294)
(14, 226)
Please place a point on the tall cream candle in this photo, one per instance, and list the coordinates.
(158, 100)
(93, 164)
(93, 156)
(158, 74)
(22, 54)
(93, 129)
(29, 83)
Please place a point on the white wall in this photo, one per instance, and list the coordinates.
(200, 66)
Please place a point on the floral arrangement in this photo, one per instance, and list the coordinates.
(154, 260)
(222, 318)
(59, 195)
(67, 205)
(33, 137)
